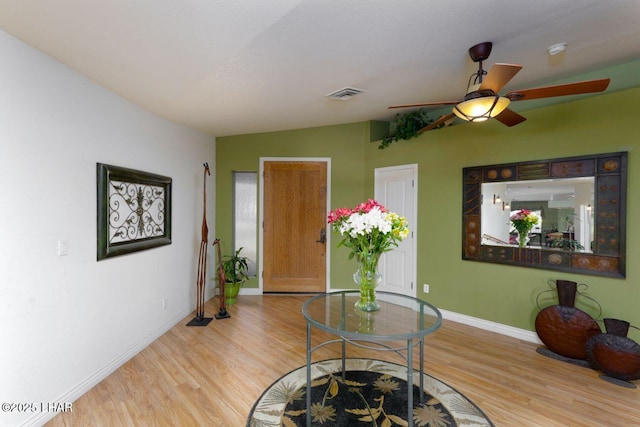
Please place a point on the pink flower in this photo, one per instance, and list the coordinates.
(520, 215)
(524, 220)
(368, 205)
(338, 214)
(368, 228)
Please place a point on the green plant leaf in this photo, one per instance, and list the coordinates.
(406, 126)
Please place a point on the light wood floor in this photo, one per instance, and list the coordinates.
(211, 376)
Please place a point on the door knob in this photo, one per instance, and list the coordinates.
(323, 236)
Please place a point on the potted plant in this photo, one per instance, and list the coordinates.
(567, 245)
(235, 274)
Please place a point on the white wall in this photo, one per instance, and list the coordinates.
(66, 322)
(495, 220)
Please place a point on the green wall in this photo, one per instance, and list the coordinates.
(498, 293)
(342, 143)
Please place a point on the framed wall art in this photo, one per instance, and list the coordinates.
(134, 210)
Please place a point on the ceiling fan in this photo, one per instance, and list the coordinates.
(483, 101)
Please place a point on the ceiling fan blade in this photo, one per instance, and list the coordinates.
(498, 76)
(509, 118)
(426, 104)
(589, 86)
(438, 122)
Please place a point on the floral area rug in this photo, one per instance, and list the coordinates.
(374, 394)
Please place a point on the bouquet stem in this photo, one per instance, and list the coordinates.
(367, 278)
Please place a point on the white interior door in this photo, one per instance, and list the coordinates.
(396, 189)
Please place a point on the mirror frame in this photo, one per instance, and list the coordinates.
(610, 206)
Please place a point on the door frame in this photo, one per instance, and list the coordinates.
(326, 160)
(413, 228)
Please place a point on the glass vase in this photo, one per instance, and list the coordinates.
(367, 278)
(366, 321)
(523, 238)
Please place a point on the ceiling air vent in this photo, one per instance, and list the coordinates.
(345, 93)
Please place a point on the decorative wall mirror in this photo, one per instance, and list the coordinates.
(581, 204)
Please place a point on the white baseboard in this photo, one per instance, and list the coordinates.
(92, 380)
(250, 291)
(243, 291)
(487, 325)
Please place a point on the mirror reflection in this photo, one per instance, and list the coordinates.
(564, 208)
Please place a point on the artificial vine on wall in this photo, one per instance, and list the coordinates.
(406, 127)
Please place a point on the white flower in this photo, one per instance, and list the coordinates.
(368, 228)
(365, 223)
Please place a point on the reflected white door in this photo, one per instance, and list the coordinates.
(396, 189)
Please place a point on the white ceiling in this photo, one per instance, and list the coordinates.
(231, 67)
(539, 189)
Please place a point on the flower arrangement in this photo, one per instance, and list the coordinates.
(523, 221)
(369, 230)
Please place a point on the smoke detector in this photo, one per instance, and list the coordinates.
(345, 93)
(556, 48)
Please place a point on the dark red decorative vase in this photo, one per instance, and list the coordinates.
(613, 353)
(567, 291)
(563, 328)
(616, 327)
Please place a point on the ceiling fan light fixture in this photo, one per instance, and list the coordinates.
(482, 108)
(483, 102)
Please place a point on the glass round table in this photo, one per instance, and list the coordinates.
(400, 325)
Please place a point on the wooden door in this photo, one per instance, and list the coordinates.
(295, 222)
